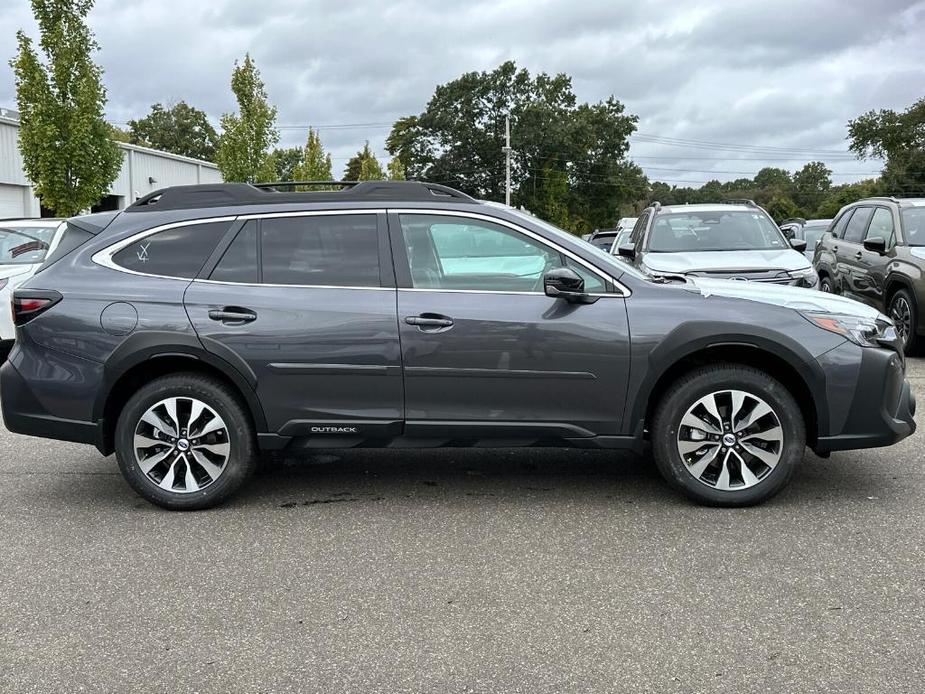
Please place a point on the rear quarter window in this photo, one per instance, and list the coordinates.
(179, 252)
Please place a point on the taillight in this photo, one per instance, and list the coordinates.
(27, 304)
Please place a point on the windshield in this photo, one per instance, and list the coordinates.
(812, 234)
(719, 230)
(914, 225)
(24, 245)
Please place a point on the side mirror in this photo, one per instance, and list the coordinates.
(627, 250)
(798, 245)
(875, 244)
(565, 283)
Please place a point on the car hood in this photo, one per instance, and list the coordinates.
(783, 295)
(726, 261)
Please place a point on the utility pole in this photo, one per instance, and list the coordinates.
(507, 160)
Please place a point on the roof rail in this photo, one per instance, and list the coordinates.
(739, 201)
(231, 194)
(891, 198)
(656, 204)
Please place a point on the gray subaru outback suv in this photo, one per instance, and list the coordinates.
(204, 324)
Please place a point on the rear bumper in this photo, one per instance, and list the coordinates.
(882, 409)
(24, 414)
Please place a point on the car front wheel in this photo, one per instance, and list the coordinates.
(185, 442)
(728, 435)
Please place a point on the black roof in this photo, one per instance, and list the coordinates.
(230, 194)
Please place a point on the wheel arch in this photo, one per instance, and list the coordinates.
(807, 385)
(148, 356)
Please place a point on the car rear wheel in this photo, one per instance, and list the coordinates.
(728, 435)
(185, 442)
(902, 311)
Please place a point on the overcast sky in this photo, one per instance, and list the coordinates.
(781, 78)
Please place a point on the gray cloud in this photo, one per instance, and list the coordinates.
(786, 74)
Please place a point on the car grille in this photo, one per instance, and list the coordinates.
(771, 276)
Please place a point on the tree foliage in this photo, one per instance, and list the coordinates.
(286, 162)
(66, 146)
(243, 152)
(568, 161)
(396, 169)
(179, 128)
(364, 166)
(897, 137)
(316, 163)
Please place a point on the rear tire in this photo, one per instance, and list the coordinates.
(904, 313)
(745, 456)
(185, 442)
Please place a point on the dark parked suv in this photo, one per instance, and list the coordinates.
(206, 323)
(875, 253)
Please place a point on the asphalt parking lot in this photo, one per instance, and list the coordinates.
(462, 571)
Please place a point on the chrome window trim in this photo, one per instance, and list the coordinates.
(610, 295)
(104, 257)
(292, 286)
(622, 290)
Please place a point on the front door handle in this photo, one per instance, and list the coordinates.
(430, 322)
(858, 255)
(233, 315)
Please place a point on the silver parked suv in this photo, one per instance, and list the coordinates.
(734, 240)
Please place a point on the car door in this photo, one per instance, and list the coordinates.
(307, 302)
(849, 252)
(485, 352)
(871, 268)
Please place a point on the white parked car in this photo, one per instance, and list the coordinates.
(24, 243)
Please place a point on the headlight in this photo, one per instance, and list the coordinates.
(808, 277)
(867, 332)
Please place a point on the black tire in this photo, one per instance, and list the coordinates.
(711, 379)
(239, 433)
(902, 308)
(825, 285)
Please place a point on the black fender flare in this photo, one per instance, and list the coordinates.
(143, 346)
(693, 337)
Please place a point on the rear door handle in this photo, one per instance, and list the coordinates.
(429, 321)
(232, 315)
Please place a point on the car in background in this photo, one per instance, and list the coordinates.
(809, 230)
(875, 253)
(620, 239)
(603, 238)
(24, 244)
(733, 240)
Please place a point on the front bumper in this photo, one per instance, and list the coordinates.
(879, 412)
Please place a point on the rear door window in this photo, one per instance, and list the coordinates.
(328, 250)
(179, 252)
(857, 225)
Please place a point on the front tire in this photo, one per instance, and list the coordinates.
(904, 314)
(728, 435)
(826, 286)
(185, 442)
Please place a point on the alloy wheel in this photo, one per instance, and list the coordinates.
(181, 445)
(730, 440)
(901, 313)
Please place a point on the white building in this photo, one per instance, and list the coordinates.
(143, 170)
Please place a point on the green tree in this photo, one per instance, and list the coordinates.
(243, 152)
(315, 164)
(396, 169)
(118, 134)
(364, 166)
(810, 185)
(286, 163)
(781, 207)
(181, 129)
(458, 137)
(898, 137)
(770, 177)
(66, 146)
(842, 195)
